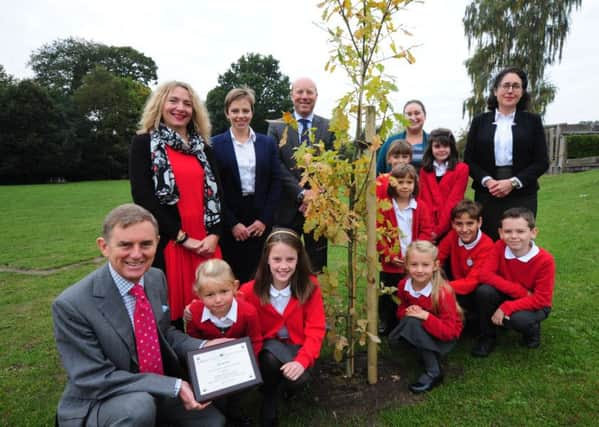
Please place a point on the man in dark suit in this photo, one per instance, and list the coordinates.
(294, 197)
(113, 376)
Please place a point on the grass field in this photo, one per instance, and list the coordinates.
(50, 226)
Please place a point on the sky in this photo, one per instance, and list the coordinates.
(196, 40)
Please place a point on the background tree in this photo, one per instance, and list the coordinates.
(109, 107)
(262, 74)
(527, 34)
(61, 65)
(5, 78)
(33, 134)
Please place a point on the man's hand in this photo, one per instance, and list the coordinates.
(188, 399)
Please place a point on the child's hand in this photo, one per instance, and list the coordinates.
(417, 312)
(399, 262)
(498, 317)
(217, 341)
(187, 312)
(292, 370)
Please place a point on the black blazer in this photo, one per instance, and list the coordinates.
(529, 156)
(142, 191)
(267, 184)
(290, 173)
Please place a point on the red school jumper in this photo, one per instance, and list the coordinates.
(528, 284)
(466, 264)
(442, 196)
(305, 322)
(388, 245)
(247, 324)
(446, 325)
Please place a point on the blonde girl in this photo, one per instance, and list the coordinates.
(430, 319)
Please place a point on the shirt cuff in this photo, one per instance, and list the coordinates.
(203, 344)
(520, 185)
(484, 180)
(178, 386)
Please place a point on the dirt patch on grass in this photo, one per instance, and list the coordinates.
(49, 271)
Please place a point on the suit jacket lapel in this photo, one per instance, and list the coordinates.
(111, 305)
(233, 159)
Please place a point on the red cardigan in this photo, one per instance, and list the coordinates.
(387, 244)
(465, 264)
(247, 324)
(442, 196)
(305, 322)
(528, 284)
(446, 325)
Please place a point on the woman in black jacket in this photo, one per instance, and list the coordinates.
(506, 150)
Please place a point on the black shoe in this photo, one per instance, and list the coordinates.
(532, 340)
(483, 347)
(426, 383)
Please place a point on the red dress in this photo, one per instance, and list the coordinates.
(181, 264)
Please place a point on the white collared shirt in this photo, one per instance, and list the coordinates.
(440, 168)
(473, 243)
(404, 219)
(279, 298)
(246, 162)
(221, 322)
(426, 291)
(504, 139)
(534, 250)
(124, 286)
(297, 117)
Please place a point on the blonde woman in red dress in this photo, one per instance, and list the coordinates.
(173, 175)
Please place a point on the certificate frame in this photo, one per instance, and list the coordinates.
(232, 367)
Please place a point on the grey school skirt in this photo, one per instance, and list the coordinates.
(411, 330)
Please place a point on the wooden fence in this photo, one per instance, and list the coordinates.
(557, 145)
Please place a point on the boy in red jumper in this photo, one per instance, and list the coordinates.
(465, 249)
(519, 280)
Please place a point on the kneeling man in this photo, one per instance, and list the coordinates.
(113, 332)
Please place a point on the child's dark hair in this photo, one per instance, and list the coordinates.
(399, 147)
(445, 138)
(301, 285)
(519, 212)
(402, 171)
(473, 209)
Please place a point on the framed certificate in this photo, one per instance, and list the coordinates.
(222, 369)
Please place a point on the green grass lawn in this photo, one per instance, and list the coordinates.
(51, 226)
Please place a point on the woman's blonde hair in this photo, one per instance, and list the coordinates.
(152, 113)
(215, 270)
(439, 282)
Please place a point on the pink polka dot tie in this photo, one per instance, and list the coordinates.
(146, 335)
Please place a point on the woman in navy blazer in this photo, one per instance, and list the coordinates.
(249, 167)
(506, 151)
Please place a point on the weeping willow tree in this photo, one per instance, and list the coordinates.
(529, 34)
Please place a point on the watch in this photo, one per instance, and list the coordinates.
(300, 197)
(514, 182)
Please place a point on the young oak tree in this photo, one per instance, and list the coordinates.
(362, 35)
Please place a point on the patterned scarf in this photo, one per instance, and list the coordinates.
(164, 180)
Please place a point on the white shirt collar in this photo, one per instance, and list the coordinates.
(276, 293)
(226, 321)
(504, 117)
(473, 243)
(413, 204)
(426, 291)
(236, 141)
(440, 168)
(309, 117)
(534, 250)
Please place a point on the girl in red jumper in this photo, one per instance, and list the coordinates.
(443, 179)
(291, 311)
(430, 317)
(218, 314)
(400, 220)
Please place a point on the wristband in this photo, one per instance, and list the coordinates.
(181, 237)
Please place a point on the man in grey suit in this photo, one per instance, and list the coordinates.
(294, 197)
(95, 336)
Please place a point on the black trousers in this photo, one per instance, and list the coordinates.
(316, 248)
(489, 299)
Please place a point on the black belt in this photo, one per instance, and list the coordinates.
(503, 172)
